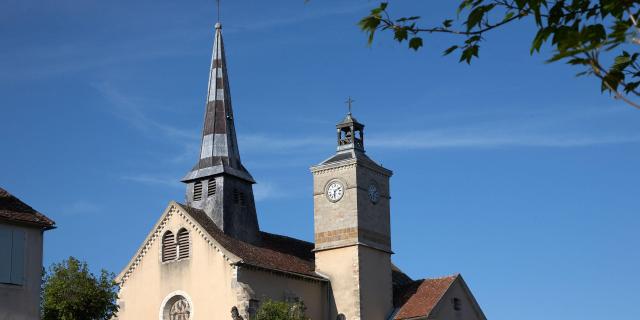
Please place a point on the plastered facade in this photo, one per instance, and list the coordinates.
(210, 278)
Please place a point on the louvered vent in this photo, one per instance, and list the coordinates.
(183, 244)
(236, 196)
(241, 199)
(197, 191)
(211, 188)
(168, 247)
(456, 304)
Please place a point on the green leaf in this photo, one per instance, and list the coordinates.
(475, 17)
(472, 39)
(622, 59)
(464, 4)
(400, 34)
(369, 23)
(540, 38)
(632, 86)
(583, 73)
(450, 49)
(412, 18)
(469, 52)
(508, 15)
(415, 43)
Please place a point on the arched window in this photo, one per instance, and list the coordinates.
(177, 307)
(180, 310)
(168, 247)
(183, 244)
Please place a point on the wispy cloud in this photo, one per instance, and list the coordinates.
(80, 207)
(267, 191)
(77, 57)
(542, 129)
(155, 180)
(258, 142)
(447, 138)
(453, 139)
(131, 111)
(287, 18)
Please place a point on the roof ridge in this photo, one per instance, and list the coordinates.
(455, 275)
(284, 236)
(283, 253)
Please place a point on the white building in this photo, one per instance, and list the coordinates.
(21, 236)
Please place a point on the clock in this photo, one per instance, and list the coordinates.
(335, 191)
(372, 192)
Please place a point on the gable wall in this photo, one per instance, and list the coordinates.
(206, 277)
(445, 311)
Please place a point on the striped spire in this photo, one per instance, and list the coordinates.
(219, 149)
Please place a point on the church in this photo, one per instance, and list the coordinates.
(208, 258)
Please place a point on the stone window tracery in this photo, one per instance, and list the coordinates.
(180, 310)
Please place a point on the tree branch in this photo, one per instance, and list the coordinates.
(597, 71)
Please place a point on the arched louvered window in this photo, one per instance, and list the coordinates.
(183, 244)
(168, 247)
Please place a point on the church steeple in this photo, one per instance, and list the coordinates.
(219, 148)
(219, 183)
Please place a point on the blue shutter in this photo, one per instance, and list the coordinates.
(17, 257)
(5, 254)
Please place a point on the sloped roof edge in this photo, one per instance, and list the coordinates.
(14, 210)
(418, 299)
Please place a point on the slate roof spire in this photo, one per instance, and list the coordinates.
(219, 147)
(219, 184)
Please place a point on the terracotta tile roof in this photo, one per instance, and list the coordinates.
(274, 252)
(418, 298)
(16, 211)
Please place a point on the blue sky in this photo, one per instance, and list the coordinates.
(511, 171)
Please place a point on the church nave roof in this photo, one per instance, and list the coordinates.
(273, 252)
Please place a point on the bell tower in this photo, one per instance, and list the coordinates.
(352, 227)
(219, 184)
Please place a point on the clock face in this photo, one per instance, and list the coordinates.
(335, 191)
(374, 196)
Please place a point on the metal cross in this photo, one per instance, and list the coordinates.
(349, 102)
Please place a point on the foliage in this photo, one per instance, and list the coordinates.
(580, 33)
(281, 310)
(71, 292)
